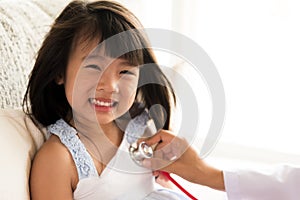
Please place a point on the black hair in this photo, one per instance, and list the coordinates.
(45, 100)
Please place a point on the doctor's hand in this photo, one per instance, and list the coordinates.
(174, 155)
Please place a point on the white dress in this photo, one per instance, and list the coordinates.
(121, 179)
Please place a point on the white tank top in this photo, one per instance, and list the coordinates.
(121, 179)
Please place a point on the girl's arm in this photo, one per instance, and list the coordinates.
(53, 173)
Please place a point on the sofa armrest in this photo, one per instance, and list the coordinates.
(19, 141)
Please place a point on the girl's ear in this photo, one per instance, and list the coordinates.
(59, 80)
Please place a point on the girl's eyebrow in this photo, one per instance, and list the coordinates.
(91, 56)
(126, 63)
(123, 62)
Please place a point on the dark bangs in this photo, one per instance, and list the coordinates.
(117, 33)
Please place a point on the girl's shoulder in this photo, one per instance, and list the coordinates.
(53, 165)
(54, 150)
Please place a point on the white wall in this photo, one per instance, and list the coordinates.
(255, 46)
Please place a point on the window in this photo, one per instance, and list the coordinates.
(255, 46)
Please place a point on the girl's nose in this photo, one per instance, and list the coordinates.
(108, 83)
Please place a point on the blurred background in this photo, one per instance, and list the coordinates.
(255, 46)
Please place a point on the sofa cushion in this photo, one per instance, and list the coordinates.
(22, 28)
(23, 25)
(19, 140)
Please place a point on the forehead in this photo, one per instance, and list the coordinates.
(118, 47)
(83, 46)
(91, 50)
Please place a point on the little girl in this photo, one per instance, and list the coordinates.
(79, 88)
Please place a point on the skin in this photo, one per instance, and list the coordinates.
(187, 164)
(53, 173)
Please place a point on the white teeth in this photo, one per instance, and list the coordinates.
(101, 103)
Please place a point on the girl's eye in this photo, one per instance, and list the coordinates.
(126, 72)
(93, 67)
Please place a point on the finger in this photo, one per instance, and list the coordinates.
(162, 176)
(166, 152)
(151, 140)
(155, 173)
(162, 137)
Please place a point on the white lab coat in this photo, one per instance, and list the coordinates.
(280, 183)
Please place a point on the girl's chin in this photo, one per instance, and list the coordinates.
(102, 120)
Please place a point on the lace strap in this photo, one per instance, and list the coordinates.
(68, 136)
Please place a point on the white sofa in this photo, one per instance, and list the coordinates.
(23, 25)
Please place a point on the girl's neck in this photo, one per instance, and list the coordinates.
(96, 131)
(101, 141)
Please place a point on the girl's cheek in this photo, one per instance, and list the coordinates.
(87, 80)
(89, 75)
(128, 92)
(128, 88)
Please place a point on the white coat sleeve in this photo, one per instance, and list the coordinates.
(280, 183)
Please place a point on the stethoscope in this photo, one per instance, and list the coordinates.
(138, 152)
(135, 130)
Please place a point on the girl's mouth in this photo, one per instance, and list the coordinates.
(103, 104)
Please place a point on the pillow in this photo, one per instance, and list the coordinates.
(20, 138)
(23, 25)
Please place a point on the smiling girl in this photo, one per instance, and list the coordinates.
(79, 87)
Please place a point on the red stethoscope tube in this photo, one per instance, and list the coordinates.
(166, 174)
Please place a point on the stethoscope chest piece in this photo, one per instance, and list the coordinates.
(139, 152)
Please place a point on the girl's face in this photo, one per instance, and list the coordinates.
(99, 87)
